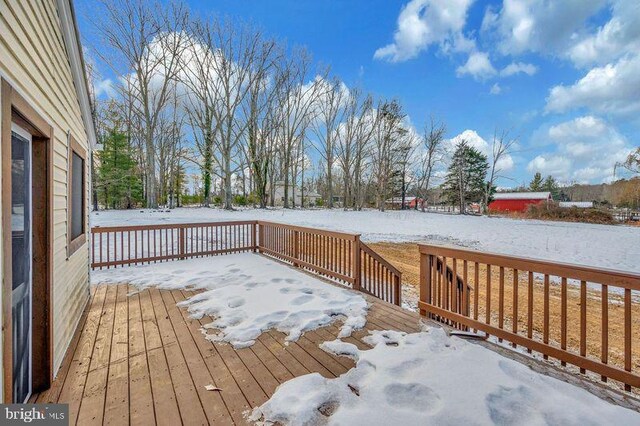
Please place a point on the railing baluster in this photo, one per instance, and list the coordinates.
(530, 308)
(487, 314)
(516, 282)
(476, 289)
(583, 321)
(563, 316)
(501, 301)
(627, 333)
(454, 285)
(604, 350)
(465, 288)
(545, 314)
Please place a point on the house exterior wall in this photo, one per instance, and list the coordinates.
(34, 60)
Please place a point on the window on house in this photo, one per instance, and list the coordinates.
(77, 202)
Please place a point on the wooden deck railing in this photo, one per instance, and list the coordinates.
(378, 277)
(576, 314)
(336, 255)
(339, 256)
(138, 244)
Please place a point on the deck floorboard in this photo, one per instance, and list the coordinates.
(138, 358)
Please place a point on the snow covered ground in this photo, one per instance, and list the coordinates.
(431, 378)
(247, 294)
(614, 247)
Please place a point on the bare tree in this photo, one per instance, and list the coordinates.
(501, 147)
(632, 163)
(263, 118)
(147, 41)
(388, 133)
(241, 51)
(329, 113)
(433, 154)
(296, 101)
(199, 79)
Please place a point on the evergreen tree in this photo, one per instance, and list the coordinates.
(551, 185)
(465, 180)
(118, 185)
(536, 183)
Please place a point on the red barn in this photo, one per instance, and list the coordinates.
(517, 201)
(395, 203)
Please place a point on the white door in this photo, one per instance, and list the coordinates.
(21, 256)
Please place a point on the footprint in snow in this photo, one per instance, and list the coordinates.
(413, 395)
(301, 300)
(236, 302)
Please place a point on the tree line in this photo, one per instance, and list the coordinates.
(245, 118)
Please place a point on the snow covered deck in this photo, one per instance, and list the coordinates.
(137, 357)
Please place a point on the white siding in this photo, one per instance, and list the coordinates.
(33, 59)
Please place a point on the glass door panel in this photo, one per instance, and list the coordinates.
(21, 262)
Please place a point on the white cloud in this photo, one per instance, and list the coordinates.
(613, 88)
(495, 89)
(586, 150)
(617, 37)
(104, 87)
(472, 137)
(422, 23)
(517, 68)
(538, 25)
(477, 66)
(554, 165)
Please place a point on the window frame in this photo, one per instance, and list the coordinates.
(75, 244)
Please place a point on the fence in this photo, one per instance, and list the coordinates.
(339, 256)
(625, 215)
(576, 314)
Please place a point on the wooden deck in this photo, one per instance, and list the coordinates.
(136, 358)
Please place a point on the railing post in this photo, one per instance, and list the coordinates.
(181, 243)
(398, 289)
(254, 236)
(296, 247)
(261, 240)
(357, 272)
(425, 280)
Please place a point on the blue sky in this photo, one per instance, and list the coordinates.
(562, 76)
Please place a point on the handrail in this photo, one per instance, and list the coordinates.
(97, 229)
(309, 229)
(578, 314)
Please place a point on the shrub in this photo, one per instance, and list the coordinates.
(240, 200)
(551, 211)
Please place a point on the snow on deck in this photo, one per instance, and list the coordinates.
(607, 246)
(430, 378)
(247, 294)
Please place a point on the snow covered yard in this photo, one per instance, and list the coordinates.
(431, 378)
(613, 247)
(247, 294)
